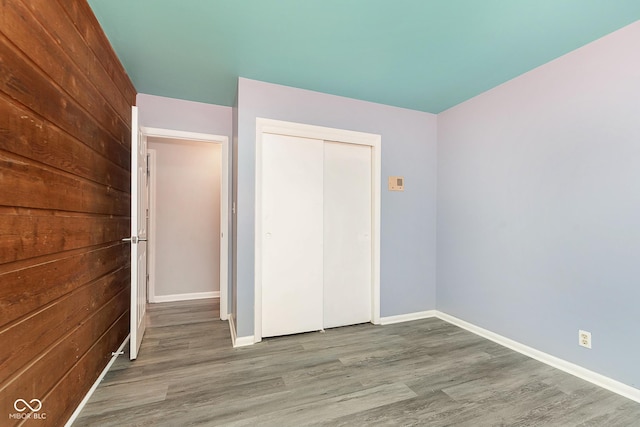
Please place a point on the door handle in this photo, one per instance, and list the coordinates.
(134, 239)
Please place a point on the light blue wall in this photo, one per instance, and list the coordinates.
(178, 114)
(407, 219)
(539, 207)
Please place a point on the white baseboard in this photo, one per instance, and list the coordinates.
(184, 297)
(571, 368)
(244, 341)
(407, 317)
(96, 384)
(239, 341)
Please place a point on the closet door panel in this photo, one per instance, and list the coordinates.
(347, 234)
(292, 240)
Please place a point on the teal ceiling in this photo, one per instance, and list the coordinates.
(426, 55)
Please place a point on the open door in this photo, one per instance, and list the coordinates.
(138, 239)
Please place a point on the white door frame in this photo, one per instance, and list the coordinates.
(326, 134)
(151, 248)
(224, 204)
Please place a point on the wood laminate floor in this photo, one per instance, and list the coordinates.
(420, 373)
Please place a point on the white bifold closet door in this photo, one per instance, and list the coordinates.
(316, 243)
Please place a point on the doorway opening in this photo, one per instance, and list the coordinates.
(188, 212)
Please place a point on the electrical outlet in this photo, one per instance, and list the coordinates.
(584, 338)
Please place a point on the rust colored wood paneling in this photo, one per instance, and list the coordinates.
(29, 135)
(59, 358)
(30, 185)
(55, 320)
(26, 290)
(82, 374)
(22, 28)
(31, 233)
(65, 150)
(85, 21)
(23, 81)
(81, 54)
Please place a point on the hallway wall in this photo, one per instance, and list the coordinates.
(187, 218)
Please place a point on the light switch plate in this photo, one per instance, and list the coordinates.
(396, 183)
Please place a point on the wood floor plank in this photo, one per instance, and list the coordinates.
(327, 410)
(425, 372)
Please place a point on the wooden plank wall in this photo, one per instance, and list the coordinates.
(65, 120)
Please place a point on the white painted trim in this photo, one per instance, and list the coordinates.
(180, 134)
(151, 247)
(186, 297)
(568, 367)
(302, 130)
(238, 341)
(95, 385)
(225, 228)
(232, 330)
(389, 320)
(244, 341)
(326, 134)
(376, 201)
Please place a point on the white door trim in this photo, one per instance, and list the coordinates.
(151, 248)
(224, 200)
(326, 134)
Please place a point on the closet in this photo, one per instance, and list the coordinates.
(316, 225)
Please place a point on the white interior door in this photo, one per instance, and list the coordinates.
(138, 239)
(292, 240)
(347, 234)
